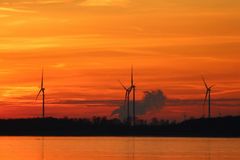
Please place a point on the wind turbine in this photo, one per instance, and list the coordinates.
(126, 100)
(133, 88)
(42, 90)
(131, 120)
(207, 96)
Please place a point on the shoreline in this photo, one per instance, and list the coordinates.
(226, 127)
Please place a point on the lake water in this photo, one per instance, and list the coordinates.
(118, 148)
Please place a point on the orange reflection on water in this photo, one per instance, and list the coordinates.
(118, 148)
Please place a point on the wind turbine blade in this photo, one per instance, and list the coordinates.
(212, 86)
(204, 82)
(122, 85)
(132, 76)
(205, 99)
(125, 99)
(42, 80)
(38, 94)
(130, 89)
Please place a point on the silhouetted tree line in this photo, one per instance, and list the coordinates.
(101, 126)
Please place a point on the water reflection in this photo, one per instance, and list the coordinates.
(131, 148)
(118, 148)
(42, 147)
(208, 149)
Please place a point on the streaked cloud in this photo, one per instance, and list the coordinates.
(59, 65)
(30, 2)
(104, 3)
(17, 91)
(4, 15)
(16, 10)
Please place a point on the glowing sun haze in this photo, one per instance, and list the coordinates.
(86, 46)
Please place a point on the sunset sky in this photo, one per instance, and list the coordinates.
(86, 46)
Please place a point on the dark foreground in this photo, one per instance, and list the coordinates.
(214, 127)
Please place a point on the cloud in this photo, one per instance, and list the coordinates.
(104, 3)
(152, 100)
(59, 65)
(30, 2)
(15, 10)
(15, 91)
(4, 15)
(52, 2)
(199, 102)
(105, 103)
(19, 44)
(74, 2)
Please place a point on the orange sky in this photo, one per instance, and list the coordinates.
(86, 46)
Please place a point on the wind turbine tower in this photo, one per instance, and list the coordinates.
(42, 90)
(133, 87)
(126, 100)
(207, 96)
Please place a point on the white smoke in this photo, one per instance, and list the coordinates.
(152, 100)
